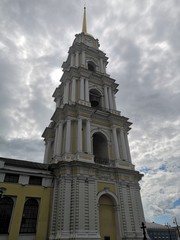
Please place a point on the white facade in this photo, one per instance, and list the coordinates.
(87, 145)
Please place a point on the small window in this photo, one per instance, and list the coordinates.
(35, 180)
(107, 238)
(91, 66)
(13, 178)
(6, 207)
(29, 217)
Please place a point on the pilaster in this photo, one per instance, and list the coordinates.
(124, 150)
(48, 144)
(88, 136)
(116, 149)
(73, 90)
(127, 147)
(79, 137)
(58, 141)
(66, 92)
(68, 136)
(82, 88)
(106, 97)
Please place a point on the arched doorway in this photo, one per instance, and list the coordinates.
(107, 221)
(100, 148)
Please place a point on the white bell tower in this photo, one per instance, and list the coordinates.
(96, 190)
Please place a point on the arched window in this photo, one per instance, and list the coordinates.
(91, 66)
(95, 98)
(6, 207)
(29, 218)
(100, 149)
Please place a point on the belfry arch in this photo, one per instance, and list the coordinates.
(100, 148)
(91, 66)
(95, 98)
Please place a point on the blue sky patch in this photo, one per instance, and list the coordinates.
(163, 167)
(145, 169)
(176, 203)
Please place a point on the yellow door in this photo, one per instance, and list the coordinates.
(107, 218)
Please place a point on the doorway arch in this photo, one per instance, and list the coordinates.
(107, 218)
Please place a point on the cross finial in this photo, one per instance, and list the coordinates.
(144, 232)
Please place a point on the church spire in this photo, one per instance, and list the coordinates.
(84, 27)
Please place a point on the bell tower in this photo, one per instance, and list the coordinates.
(96, 190)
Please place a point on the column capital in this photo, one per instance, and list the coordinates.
(48, 140)
(59, 123)
(114, 127)
(67, 81)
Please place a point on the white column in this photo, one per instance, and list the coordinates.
(123, 145)
(114, 101)
(83, 58)
(82, 88)
(86, 90)
(102, 65)
(106, 97)
(77, 59)
(55, 141)
(47, 150)
(66, 92)
(58, 140)
(110, 98)
(68, 136)
(88, 136)
(58, 101)
(116, 149)
(72, 59)
(79, 140)
(119, 145)
(73, 90)
(127, 147)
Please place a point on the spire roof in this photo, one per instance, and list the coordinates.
(84, 27)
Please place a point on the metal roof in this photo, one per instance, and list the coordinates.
(25, 163)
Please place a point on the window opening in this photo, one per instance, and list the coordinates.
(95, 98)
(6, 207)
(29, 218)
(13, 178)
(91, 66)
(100, 149)
(106, 238)
(33, 180)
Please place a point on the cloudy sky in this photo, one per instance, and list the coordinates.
(141, 39)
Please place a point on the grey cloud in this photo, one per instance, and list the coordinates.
(26, 149)
(132, 35)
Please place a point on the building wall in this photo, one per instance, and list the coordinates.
(79, 209)
(20, 193)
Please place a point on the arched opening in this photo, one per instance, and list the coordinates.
(6, 207)
(91, 66)
(95, 98)
(107, 220)
(29, 218)
(100, 148)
